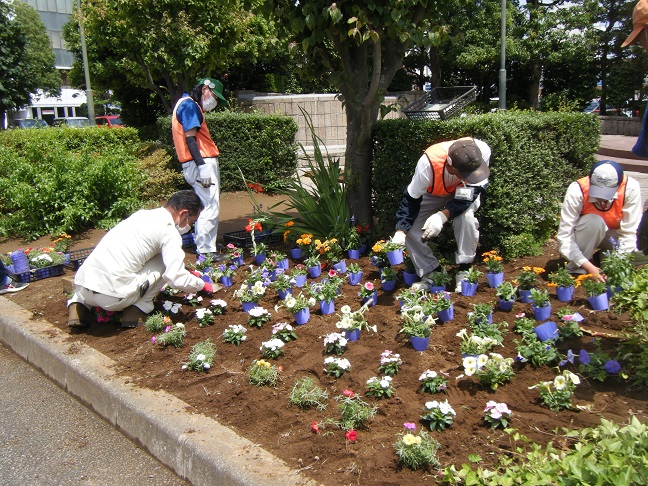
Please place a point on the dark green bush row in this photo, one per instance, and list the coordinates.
(263, 146)
(534, 158)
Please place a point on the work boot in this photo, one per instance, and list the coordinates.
(461, 275)
(133, 317)
(423, 284)
(78, 316)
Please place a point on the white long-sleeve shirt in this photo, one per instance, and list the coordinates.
(112, 267)
(571, 211)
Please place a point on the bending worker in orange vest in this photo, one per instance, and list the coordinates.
(602, 210)
(447, 183)
(198, 155)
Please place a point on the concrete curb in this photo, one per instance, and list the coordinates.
(196, 447)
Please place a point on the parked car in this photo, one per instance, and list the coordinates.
(110, 121)
(28, 123)
(72, 122)
(595, 109)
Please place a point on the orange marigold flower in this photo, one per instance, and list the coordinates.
(289, 224)
(538, 270)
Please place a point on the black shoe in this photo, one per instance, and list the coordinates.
(13, 287)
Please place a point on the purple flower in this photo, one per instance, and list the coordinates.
(201, 258)
(570, 358)
(233, 267)
(612, 367)
(222, 267)
(584, 357)
(409, 426)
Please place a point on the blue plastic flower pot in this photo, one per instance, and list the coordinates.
(300, 280)
(446, 315)
(541, 313)
(284, 293)
(260, 258)
(599, 302)
(546, 331)
(468, 289)
(505, 305)
(355, 278)
(494, 279)
(612, 290)
(238, 260)
(340, 266)
(395, 257)
(295, 253)
(525, 296)
(301, 317)
(352, 335)
(226, 281)
(437, 288)
(283, 264)
(388, 285)
(372, 300)
(353, 254)
(248, 306)
(420, 343)
(315, 272)
(327, 306)
(565, 294)
(410, 278)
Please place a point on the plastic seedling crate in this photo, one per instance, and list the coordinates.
(38, 273)
(77, 257)
(441, 103)
(243, 239)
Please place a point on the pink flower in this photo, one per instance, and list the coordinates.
(153, 340)
(348, 393)
(520, 315)
(409, 426)
(567, 318)
(369, 285)
(351, 435)
(102, 319)
(167, 329)
(332, 272)
(314, 427)
(230, 245)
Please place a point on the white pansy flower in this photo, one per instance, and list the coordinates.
(345, 309)
(446, 408)
(180, 325)
(290, 302)
(258, 312)
(206, 366)
(311, 301)
(431, 405)
(273, 345)
(572, 377)
(200, 357)
(560, 382)
(385, 381)
(428, 374)
(469, 361)
(218, 303)
(482, 359)
(504, 366)
(470, 369)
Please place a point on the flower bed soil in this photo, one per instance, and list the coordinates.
(264, 415)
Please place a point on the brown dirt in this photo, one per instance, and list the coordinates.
(265, 416)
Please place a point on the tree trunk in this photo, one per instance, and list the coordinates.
(357, 166)
(534, 89)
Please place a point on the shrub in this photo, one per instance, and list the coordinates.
(534, 157)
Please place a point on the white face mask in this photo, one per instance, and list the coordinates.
(209, 104)
(183, 229)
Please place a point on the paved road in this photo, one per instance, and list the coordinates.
(47, 437)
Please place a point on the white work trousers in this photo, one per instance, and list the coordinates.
(206, 228)
(466, 231)
(590, 233)
(151, 272)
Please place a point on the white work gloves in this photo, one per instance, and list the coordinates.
(204, 178)
(433, 226)
(399, 238)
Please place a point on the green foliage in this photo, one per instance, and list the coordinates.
(536, 352)
(417, 451)
(306, 394)
(53, 183)
(634, 299)
(605, 454)
(201, 357)
(262, 146)
(355, 411)
(617, 267)
(173, 337)
(262, 373)
(534, 157)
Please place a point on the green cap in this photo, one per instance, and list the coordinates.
(215, 86)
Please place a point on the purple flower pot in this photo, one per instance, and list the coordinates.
(238, 260)
(541, 313)
(489, 319)
(446, 315)
(340, 266)
(505, 305)
(248, 306)
(494, 279)
(410, 278)
(525, 296)
(372, 300)
(612, 290)
(352, 335)
(283, 264)
(468, 289)
(295, 253)
(388, 285)
(301, 317)
(206, 278)
(546, 331)
(327, 306)
(260, 258)
(353, 254)
(300, 280)
(284, 293)
(315, 272)
(20, 263)
(437, 288)
(565, 294)
(420, 343)
(395, 257)
(599, 302)
(226, 281)
(355, 278)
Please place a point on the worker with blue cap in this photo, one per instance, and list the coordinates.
(198, 155)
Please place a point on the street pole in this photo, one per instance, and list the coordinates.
(502, 71)
(86, 70)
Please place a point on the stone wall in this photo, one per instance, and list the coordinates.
(620, 125)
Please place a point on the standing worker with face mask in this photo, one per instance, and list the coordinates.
(132, 262)
(198, 155)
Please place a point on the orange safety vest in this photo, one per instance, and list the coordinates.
(437, 154)
(614, 214)
(206, 145)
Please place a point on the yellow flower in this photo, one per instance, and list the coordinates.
(409, 439)
(526, 268)
(263, 363)
(538, 270)
(550, 284)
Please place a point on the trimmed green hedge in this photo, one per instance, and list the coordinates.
(535, 156)
(263, 146)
